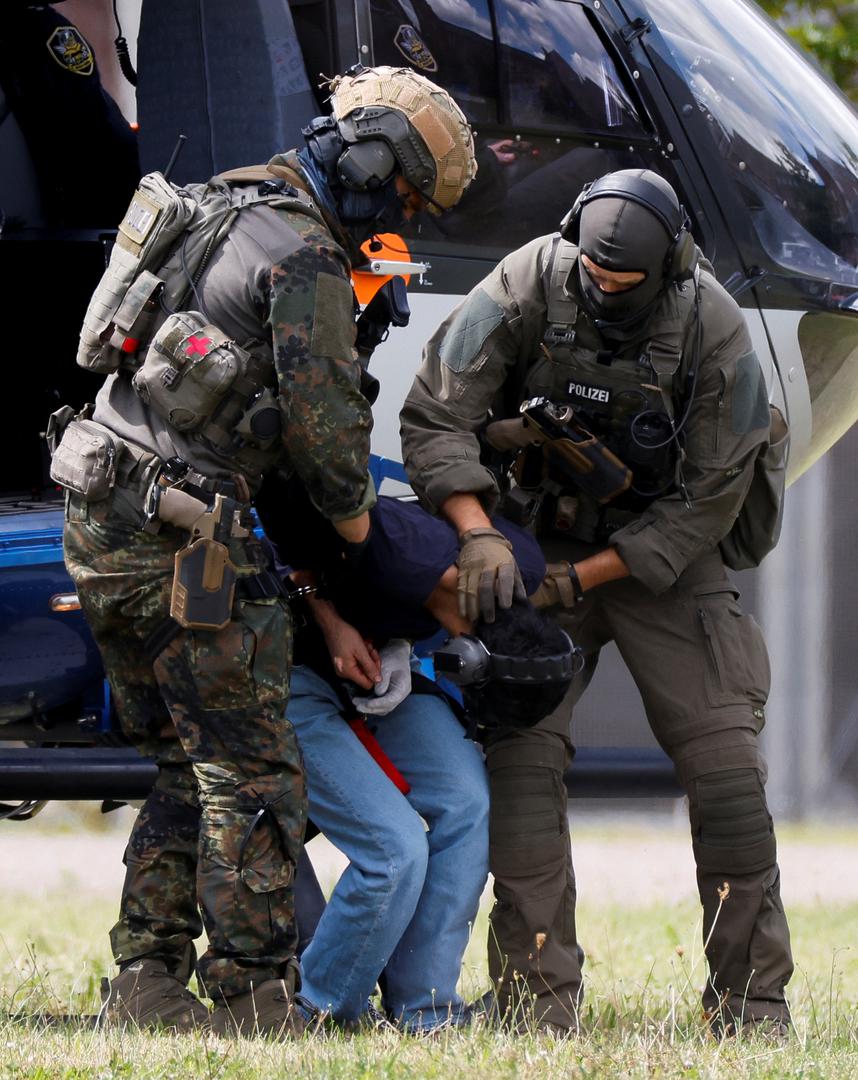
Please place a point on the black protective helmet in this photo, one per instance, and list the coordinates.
(512, 672)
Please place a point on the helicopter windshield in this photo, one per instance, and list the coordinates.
(788, 136)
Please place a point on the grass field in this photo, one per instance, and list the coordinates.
(642, 1017)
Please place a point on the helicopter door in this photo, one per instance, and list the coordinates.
(230, 76)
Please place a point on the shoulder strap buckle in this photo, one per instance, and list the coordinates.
(562, 311)
(561, 334)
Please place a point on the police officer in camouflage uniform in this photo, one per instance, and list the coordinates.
(222, 829)
(621, 318)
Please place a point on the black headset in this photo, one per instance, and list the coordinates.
(366, 166)
(681, 258)
(360, 166)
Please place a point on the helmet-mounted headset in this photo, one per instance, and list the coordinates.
(653, 192)
(392, 120)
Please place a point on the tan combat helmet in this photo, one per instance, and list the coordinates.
(418, 121)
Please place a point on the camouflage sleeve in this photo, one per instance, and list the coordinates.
(726, 426)
(327, 421)
(465, 364)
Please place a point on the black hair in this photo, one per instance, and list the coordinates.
(520, 630)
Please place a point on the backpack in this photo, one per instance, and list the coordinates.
(164, 242)
(757, 528)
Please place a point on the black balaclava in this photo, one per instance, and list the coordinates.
(621, 235)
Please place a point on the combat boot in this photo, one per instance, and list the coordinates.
(147, 994)
(775, 1029)
(266, 1009)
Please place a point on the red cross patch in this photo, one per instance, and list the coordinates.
(197, 346)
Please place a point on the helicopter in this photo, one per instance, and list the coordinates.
(761, 148)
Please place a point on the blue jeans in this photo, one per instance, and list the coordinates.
(405, 903)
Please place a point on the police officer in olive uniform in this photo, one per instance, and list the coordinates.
(228, 362)
(621, 318)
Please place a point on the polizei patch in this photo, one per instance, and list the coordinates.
(583, 392)
(70, 50)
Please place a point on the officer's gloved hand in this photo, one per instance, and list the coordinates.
(487, 574)
(395, 685)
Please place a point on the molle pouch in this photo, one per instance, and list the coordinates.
(85, 460)
(521, 505)
(203, 586)
(137, 313)
(188, 370)
(260, 424)
(156, 217)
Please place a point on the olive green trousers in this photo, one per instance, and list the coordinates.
(702, 670)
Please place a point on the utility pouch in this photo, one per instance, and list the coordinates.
(57, 423)
(565, 512)
(757, 528)
(260, 424)
(136, 316)
(203, 586)
(156, 217)
(188, 370)
(85, 460)
(521, 506)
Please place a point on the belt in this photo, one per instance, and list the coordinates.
(137, 469)
(146, 475)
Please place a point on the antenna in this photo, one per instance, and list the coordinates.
(174, 157)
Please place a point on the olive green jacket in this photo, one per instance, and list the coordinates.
(497, 331)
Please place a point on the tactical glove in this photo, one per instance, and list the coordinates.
(395, 685)
(487, 574)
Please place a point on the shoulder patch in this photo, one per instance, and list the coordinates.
(71, 50)
(333, 326)
(466, 334)
(750, 400)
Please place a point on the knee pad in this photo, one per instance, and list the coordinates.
(731, 825)
(528, 830)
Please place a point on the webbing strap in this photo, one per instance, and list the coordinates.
(266, 585)
(559, 574)
(516, 754)
(562, 310)
(160, 638)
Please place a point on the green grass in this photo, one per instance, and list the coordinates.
(642, 1013)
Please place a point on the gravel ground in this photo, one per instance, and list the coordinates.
(619, 859)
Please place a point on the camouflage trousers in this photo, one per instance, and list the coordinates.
(221, 831)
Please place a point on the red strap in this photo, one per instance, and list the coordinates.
(373, 747)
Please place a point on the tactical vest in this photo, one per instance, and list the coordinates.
(143, 319)
(629, 401)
